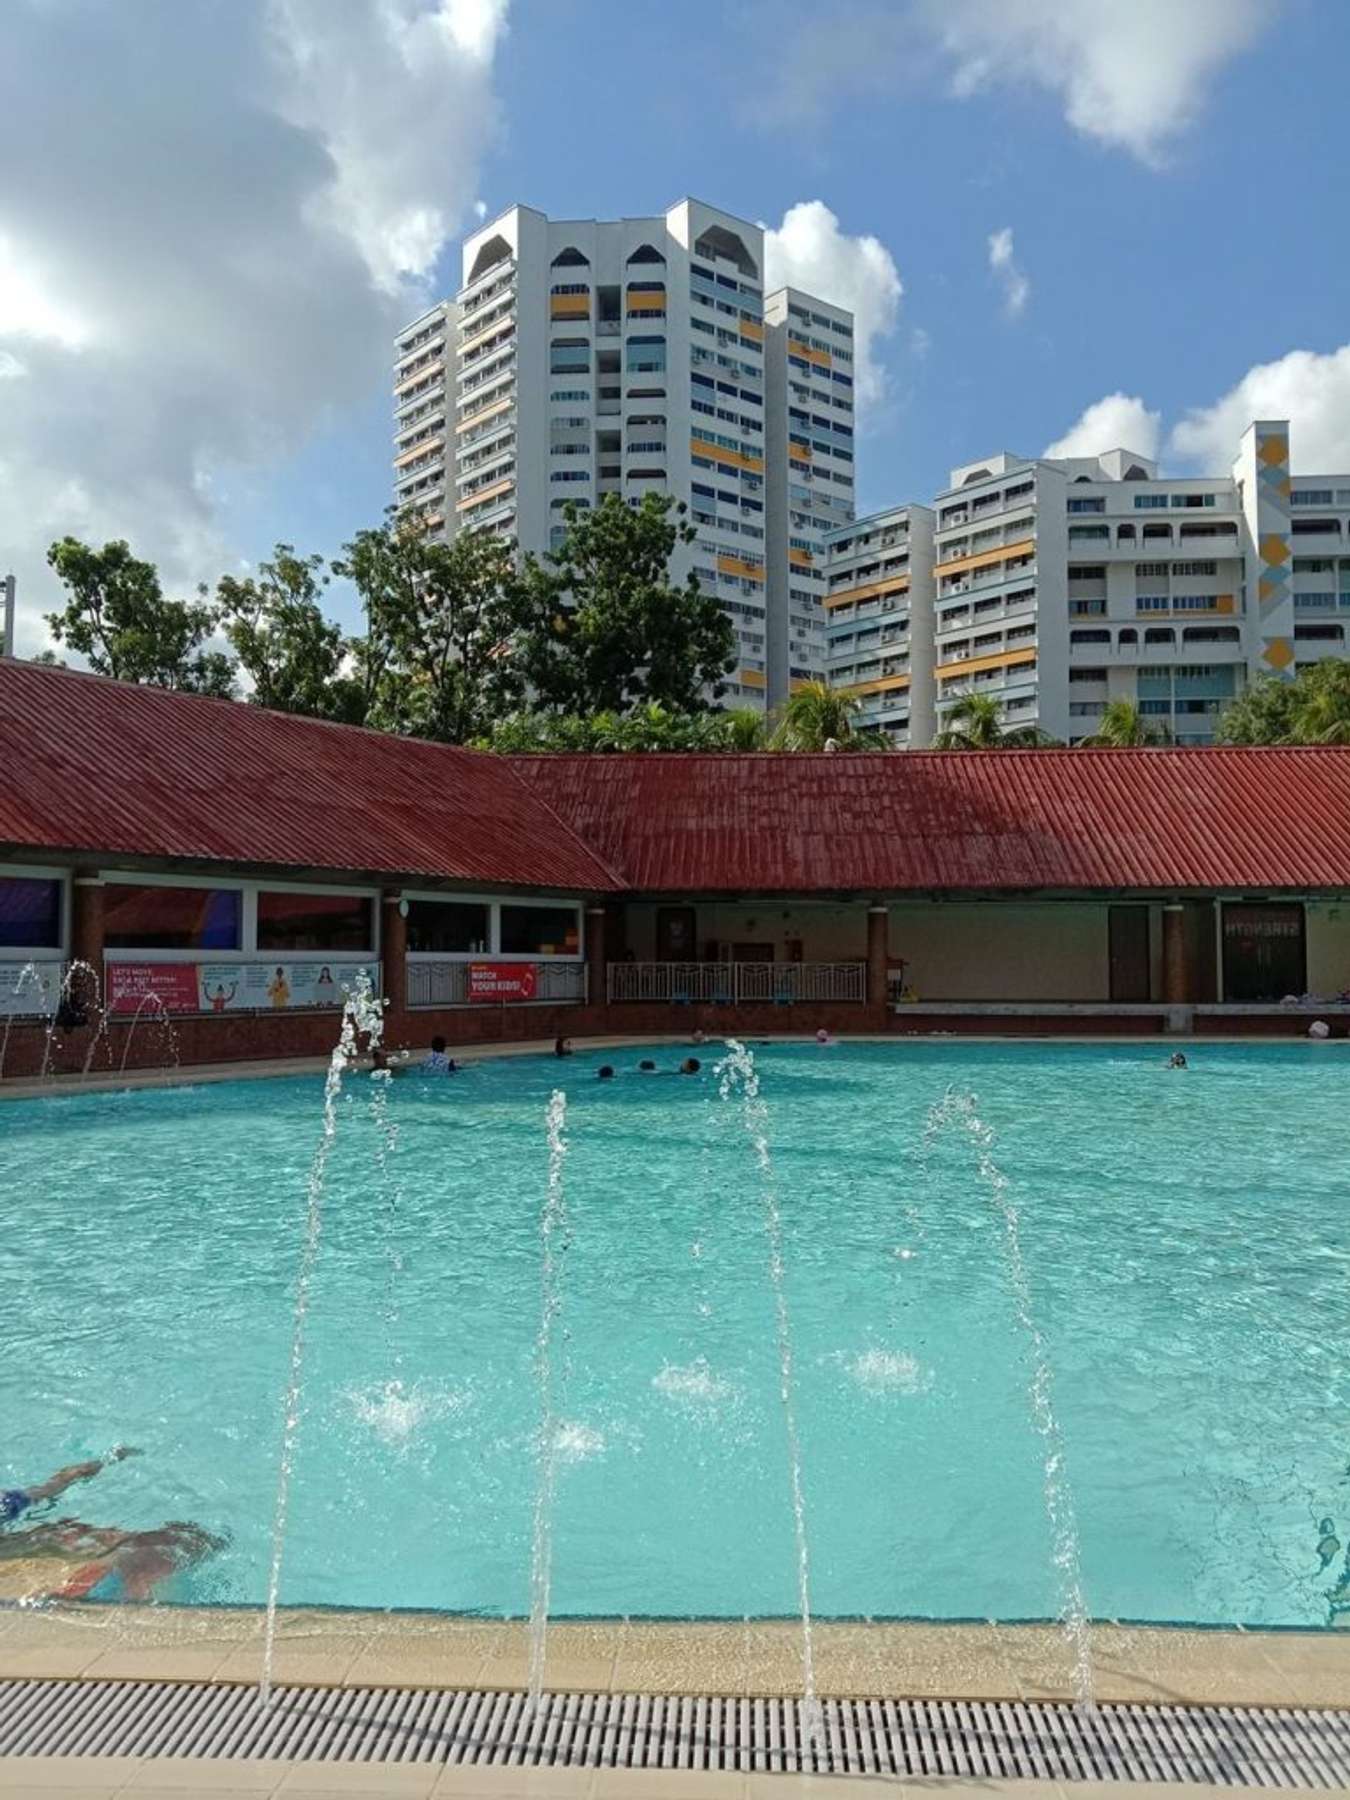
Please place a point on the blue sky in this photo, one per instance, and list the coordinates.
(1165, 180)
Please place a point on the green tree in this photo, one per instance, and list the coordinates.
(1262, 714)
(454, 639)
(976, 723)
(649, 727)
(1322, 709)
(605, 629)
(117, 618)
(1124, 727)
(290, 651)
(818, 717)
(386, 565)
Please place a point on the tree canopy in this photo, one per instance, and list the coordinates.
(291, 653)
(604, 629)
(1313, 708)
(117, 618)
(816, 716)
(1124, 727)
(975, 722)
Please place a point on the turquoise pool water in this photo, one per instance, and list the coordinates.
(1186, 1238)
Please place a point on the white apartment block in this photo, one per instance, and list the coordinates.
(1061, 584)
(809, 352)
(879, 619)
(582, 358)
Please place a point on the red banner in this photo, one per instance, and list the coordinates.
(174, 985)
(497, 982)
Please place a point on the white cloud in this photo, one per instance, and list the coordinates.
(1311, 390)
(1015, 284)
(202, 269)
(920, 342)
(1116, 422)
(1132, 76)
(809, 251)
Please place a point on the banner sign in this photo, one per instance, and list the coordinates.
(172, 986)
(235, 987)
(500, 982)
(29, 989)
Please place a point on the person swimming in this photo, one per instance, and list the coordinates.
(604, 1073)
(436, 1062)
(562, 1046)
(1177, 1060)
(14, 1502)
(690, 1066)
(647, 1066)
(1328, 1544)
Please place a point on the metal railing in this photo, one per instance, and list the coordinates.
(447, 983)
(736, 983)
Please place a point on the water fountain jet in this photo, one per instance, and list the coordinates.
(553, 1239)
(362, 1016)
(959, 1110)
(737, 1072)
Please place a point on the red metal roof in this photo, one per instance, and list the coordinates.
(956, 821)
(91, 764)
(88, 765)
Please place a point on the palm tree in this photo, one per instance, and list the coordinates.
(744, 728)
(1124, 727)
(976, 723)
(819, 717)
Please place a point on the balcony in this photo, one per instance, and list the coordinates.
(736, 983)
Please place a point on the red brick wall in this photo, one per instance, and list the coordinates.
(245, 1037)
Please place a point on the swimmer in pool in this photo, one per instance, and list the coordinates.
(14, 1502)
(1328, 1544)
(1177, 1060)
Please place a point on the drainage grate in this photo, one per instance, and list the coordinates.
(1236, 1746)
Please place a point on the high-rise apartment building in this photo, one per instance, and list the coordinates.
(1062, 584)
(582, 358)
(809, 351)
(879, 613)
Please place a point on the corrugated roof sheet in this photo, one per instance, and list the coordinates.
(952, 821)
(94, 765)
(91, 764)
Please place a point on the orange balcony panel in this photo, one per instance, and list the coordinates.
(569, 306)
(1223, 603)
(501, 328)
(480, 418)
(736, 565)
(419, 375)
(483, 495)
(801, 559)
(987, 558)
(750, 677)
(733, 458)
(872, 590)
(884, 684)
(975, 665)
(749, 329)
(647, 309)
(418, 450)
(821, 358)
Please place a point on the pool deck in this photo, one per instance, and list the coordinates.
(338, 1648)
(1160, 1666)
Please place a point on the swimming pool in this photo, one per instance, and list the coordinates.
(1186, 1239)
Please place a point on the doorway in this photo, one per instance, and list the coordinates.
(1128, 952)
(1265, 953)
(676, 933)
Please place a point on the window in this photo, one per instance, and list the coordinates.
(1083, 534)
(171, 918)
(1195, 568)
(1087, 506)
(315, 922)
(1310, 497)
(571, 258)
(1193, 499)
(449, 927)
(540, 931)
(30, 913)
(1151, 603)
(1144, 502)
